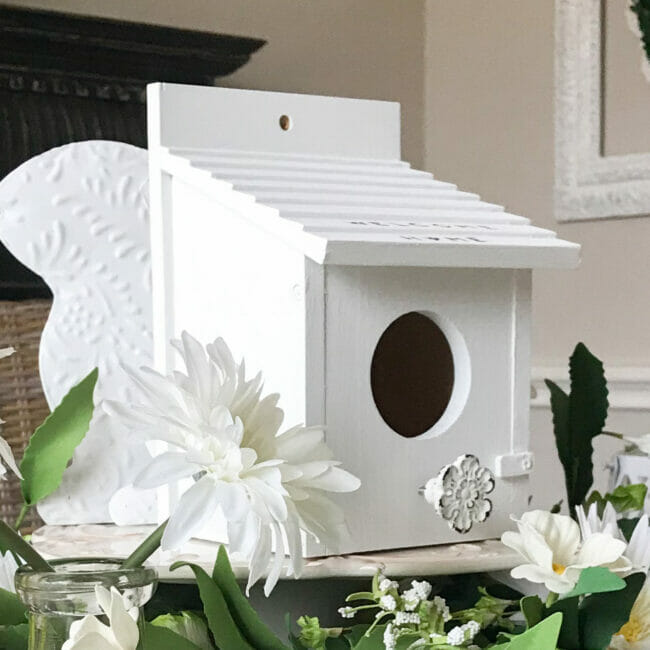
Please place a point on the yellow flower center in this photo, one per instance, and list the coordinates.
(559, 568)
(633, 630)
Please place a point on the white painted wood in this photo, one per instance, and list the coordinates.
(246, 119)
(78, 216)
(301, 258)
(111, 541)
(589, 185)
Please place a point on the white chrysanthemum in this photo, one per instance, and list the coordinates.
(223, 433)
(121, 633)
(5, 450)
(590, 523)
(635, 634)
(551, 545)
(8, 567)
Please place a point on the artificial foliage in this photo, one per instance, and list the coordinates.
(468, 611)
(642, 10)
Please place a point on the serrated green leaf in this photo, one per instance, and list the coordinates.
(12, 611)
(596, 580)
(588, 408)
(532, 608)
(223, 627)
(53, 443)
(246, 618)
(157, 637)
(601, 615)
(560, 410)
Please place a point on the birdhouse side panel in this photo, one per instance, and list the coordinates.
(397, 422)
(233, 280)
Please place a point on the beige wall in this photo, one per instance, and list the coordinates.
(357, 48)
(489, 127)
(476, 84)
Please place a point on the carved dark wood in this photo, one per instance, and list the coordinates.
(65, 78)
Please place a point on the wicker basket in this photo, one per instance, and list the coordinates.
(22, 403)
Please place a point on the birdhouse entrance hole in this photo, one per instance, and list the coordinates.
(413, 375)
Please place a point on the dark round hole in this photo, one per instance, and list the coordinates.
(412, 374)
(285, 122)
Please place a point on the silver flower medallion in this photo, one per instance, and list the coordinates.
(459, 493)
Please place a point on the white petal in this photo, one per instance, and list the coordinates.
(8, 457)
(261, 557)
(599, 550)
(194, 508)
(6, 352)
(294, 540)
(123, 626)
(638, 550)
(278, 561)
(92, 641)
(233, 500)
(168, 467)
(103, 597)
(560, 532)
(335, 480)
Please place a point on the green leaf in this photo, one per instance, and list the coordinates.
(577, 419)
(246, 618)
(627, 526)
(560, 409)
(544, 636)
(53, 443)
(532, 608)
(360, 595)
(12, 611)
(161, 638)
(596, 580)
(188, 625)
(570, 631)
(628, 497)
(601, 615)
(223, 627)
(14, 637)
(588, 407)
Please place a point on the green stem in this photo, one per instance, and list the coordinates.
(552, 597)
(146, 549)
(21, 517)
(611, 434)
(12, 541)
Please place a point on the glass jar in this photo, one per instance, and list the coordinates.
(56, 599)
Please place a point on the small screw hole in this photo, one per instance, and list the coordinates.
(285, 122)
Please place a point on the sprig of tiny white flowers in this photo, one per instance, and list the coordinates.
(411, 613)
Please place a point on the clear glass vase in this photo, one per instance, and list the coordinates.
(55, 600)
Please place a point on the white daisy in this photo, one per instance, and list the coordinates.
(551, 545)
(223, 433)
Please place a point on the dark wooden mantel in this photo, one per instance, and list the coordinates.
(65, 78)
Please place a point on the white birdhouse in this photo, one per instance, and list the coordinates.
(376, 299)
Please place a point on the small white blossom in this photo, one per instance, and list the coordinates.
(421, 588)
(473, 628)
(386, 585)
(8, 567)
(410, 600)
(389, 637)
(441, 605)
(388, 603)
(347, 612)
(406, 618)
(456, 636)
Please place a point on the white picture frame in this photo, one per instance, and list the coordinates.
(588, 184)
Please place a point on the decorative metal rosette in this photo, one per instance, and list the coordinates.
(459, 493)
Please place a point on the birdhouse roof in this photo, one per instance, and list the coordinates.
(343, 200)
